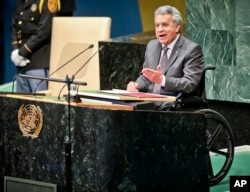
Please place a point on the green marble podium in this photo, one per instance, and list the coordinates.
(112, 150)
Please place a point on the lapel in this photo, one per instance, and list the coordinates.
(157, 54)
(175, 53)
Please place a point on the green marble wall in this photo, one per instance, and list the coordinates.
(222, 29)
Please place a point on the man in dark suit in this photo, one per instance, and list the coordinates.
(30, 41)
(183, 69)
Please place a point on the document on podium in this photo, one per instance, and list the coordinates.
(122, 95)
(135, 94)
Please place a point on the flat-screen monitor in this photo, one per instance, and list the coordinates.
(14, 184)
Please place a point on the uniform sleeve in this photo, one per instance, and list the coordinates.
(42, 34)
(14, 40)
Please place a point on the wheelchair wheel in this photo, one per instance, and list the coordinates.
(220, 143)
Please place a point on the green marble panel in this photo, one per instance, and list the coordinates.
(228, 84)
(242, 9)
(222, 83)
(243, 83)
(211, 14)
(243, 32)
(213, 42)
(222, 29)
(243, 47)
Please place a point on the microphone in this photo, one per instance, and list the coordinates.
(52, 79)
(100, 49)
(67, 80)
(89, 47)
(19, 93)
(58, 98)
(73, 76)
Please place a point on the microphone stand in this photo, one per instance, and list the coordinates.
(67, 143)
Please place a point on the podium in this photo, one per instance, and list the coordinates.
(113, 150)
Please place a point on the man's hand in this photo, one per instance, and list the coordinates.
(153, 75)
(133, 86)
(18, 60)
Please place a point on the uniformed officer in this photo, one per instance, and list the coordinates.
(30, 40)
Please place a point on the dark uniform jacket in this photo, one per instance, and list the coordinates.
(31, 30)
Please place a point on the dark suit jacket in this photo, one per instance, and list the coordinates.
(184, 71)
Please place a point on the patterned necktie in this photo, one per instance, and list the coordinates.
(163, 65)
(164, 59)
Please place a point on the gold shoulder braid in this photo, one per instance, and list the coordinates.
(41, 6)
(30, 120)
(53, 5)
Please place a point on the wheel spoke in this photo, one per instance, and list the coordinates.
(220, 136)
(219, 152)
(214, 135)
(210, 168)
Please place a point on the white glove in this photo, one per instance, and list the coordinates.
(18, 60)
(24, 62)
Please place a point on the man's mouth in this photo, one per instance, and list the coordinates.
(162, 35)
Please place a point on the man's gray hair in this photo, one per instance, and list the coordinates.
(166, 9)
